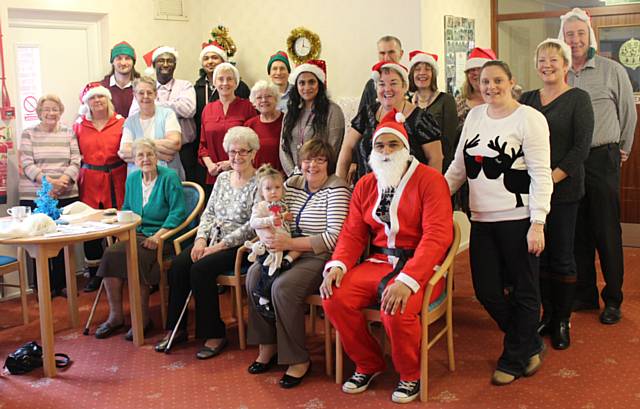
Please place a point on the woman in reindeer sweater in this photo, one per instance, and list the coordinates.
(504, 155)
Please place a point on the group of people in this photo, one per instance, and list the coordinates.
(541, 173)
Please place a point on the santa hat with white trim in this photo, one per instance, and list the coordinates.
(399, 68)
(90, 90)
(478, 57)
(417, 56)
(151, 56)
(582, 16)
(392, 123)
(315, 67)
(213, 47)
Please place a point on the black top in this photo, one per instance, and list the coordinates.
(443, 110)
(200, 86)
(369, 95)
(421, 129)
(570, 119)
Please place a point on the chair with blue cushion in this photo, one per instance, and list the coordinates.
(194, 203)
(9, 265)
(431, 312)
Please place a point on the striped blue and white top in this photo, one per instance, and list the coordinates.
(318, 215)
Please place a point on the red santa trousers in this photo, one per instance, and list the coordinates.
(358, 290)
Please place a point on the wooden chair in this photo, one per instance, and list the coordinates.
(9, 265)
(194, 202)
(316, 301)
(443, 307)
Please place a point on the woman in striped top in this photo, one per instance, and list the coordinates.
(50, 149)
(318, 201)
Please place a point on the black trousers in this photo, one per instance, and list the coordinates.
(200, 277)
(189, 159)
(559, 233)
(57, 279)
(598, 228)
(499, 255)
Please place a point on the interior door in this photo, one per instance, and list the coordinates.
(616, 39)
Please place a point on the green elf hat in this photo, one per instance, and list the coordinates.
(122, 48)
(279, 56)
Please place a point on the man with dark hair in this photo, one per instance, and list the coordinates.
(119, 80)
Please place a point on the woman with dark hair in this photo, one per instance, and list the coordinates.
(391, 82)
(504, 155)
(423, 86)
(318, 201)
(310, 114)
(570, 116)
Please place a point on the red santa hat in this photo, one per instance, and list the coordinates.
(583, 16)
(417, 56)
(316, 67)
(392, 123)
(478, 57)
(90, 90)
(151, 56)
(213, 47)
(399, 68)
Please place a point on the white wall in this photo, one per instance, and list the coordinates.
(348, 31)
(432, 14)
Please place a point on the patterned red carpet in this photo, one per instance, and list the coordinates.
(600, 370)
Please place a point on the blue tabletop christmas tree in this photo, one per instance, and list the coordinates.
(46, 203)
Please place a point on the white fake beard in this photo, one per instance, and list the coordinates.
(389, 169)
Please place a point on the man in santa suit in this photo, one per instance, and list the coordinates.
(404, 210)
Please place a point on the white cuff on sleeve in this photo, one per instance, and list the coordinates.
(409, 281)
(333, 263)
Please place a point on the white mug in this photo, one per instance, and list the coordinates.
(125, 216)
(19, 212)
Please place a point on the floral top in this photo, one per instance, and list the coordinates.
(228, 211)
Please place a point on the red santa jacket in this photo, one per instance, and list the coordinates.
(421, 219)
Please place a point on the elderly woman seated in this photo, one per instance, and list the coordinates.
(318, 201)
(224, 226)
(155, 194)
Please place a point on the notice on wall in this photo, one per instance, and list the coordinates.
(29, 84)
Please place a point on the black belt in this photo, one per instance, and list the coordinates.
(107, 169)
(104, 168)
(403, 256)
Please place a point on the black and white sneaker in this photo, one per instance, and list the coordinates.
(406, 391)
(359, 382)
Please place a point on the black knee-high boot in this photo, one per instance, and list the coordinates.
(563, 290)
(544, 327)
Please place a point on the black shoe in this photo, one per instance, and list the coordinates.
(560, 337)
(206, 352)
(288, 381)
(544, 326)
(359, 382)
(181, 336)
(406, 391)
(93, 284)
(610, 315)
(579, 305)
(106, 329)
(258, 367)
(145, 331)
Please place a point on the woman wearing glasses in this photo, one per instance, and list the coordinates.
(318, 201)
(224, 226)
